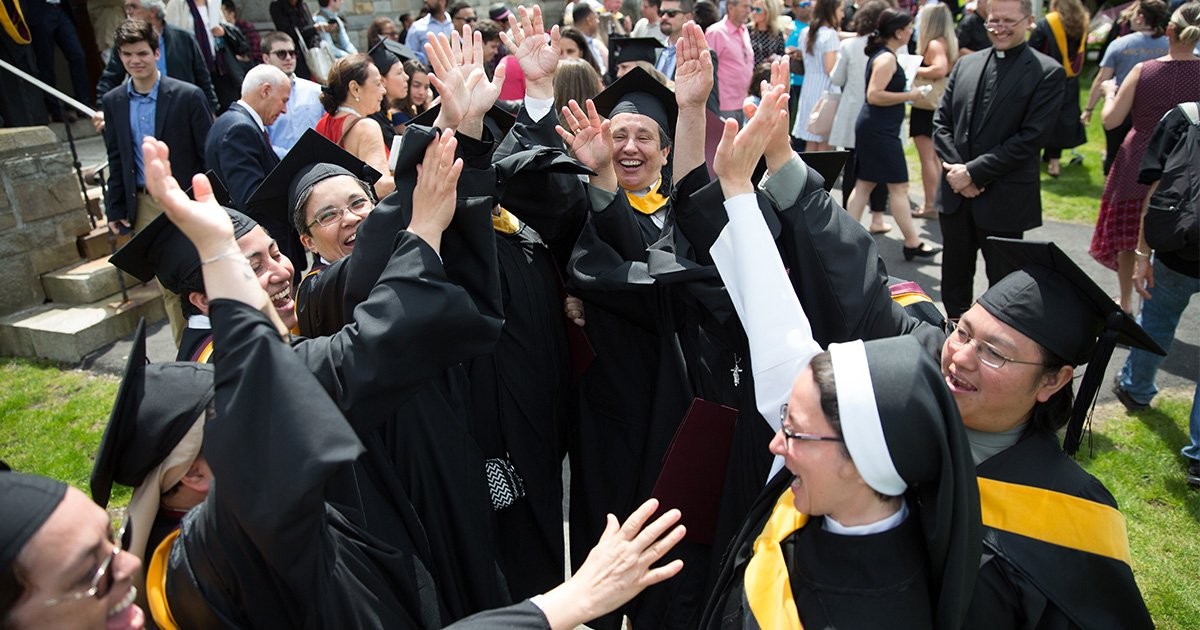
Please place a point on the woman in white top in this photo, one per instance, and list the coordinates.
(182, 13)
(820, 43)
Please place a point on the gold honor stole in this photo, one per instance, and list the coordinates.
(650, 202)
(156, 584)
(1053, 517)
(505, 222)
(204, 353)
(768, 588)
(1060, 39)
(13, 20)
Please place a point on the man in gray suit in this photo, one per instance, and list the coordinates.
(988, 130)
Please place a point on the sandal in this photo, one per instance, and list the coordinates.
(882, 229)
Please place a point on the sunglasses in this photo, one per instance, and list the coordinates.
(468, 20)
(669, 12)
(284, 54)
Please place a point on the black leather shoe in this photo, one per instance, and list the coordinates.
(920, 251)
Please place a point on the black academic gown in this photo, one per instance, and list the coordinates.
(192, 344)
(874, 581)
(425, 449)
(236, 563)
(842, 284)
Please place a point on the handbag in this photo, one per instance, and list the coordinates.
(504, 482)
(820, 119)
(929, 101)
(319, 58)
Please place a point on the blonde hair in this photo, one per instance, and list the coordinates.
(934, 21)
(1186, 20)
(1074, 16)
(772, 9)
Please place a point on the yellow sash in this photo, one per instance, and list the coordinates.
(505, 222)
(156, 584)
(15, 25)
(650, 202)
(1060, 38)
(1054, 517)
(768, 588)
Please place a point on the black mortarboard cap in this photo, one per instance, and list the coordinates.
(498, 120)
(28, 502)
(155, 407)
(626, 49)
(311, 160)
(387, 53)
(1052, 301)
(828, 164)
(639, 93)
(161, 250)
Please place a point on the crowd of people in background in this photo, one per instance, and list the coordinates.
(494, 241)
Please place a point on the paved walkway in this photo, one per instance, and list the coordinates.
(1180, 370)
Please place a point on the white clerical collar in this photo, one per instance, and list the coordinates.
(199, 322)
(882, 525)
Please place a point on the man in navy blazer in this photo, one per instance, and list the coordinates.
(988, 130)
(239, 151)
(149, 104)
(181, 54)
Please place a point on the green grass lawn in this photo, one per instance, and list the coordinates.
(1073, 197)
(51, 420)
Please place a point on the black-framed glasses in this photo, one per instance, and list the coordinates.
(803, 437)
(102, 580)
(997, 26)
(669, 12)
(468, 20)
(284, 54)
(327, 217)
(988, 354)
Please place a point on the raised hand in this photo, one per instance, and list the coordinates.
(434, 196)
(202, 220)
(739, 151)
(779, 146)
(528, 43)
(466, 94)
(693, 68)
(588, 137)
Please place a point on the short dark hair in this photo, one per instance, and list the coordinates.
(275, 37)
(456, 7)
(132, 31)
(1052, 415)
(489, 29)
(867, 16)
(228, 5)
(1156, 13)
(654, 3)
(322, 3)
(582, 12)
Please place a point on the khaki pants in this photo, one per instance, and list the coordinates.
(147, 211)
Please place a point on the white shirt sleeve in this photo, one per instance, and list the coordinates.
(780, 336)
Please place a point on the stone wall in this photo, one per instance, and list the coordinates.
(41, 213)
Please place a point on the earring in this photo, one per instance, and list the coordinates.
(356, 99)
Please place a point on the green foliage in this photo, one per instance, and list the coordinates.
(1137, 456)
(51, 420)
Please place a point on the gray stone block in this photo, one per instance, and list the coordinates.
(56, 256)
(21, 168)
(59, 163)
(48, 197)
(8, 220)
(24, 139)
(68, 334)
(14, 243)
(85, 282)
(19, 286)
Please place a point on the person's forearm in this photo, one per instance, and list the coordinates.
(689, 145)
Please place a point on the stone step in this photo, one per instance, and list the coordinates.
(85, 282)
(69, 333)
(94, 245)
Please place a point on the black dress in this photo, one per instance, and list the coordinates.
(878, 127)
(1068, 131)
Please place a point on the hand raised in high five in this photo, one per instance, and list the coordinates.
(528, 43)
(589, 140)
(434, 196)
(739, 151)
(466, 94)
(779, 146)
(693, 68)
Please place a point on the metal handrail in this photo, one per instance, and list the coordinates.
(90, 113)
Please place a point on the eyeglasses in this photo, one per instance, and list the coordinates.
(468, 20)
(757, 9)
(329, 216)
(997, 26)
(804, 437)
(669, 12)
(988, 354)
(102, 581)
(284, 54)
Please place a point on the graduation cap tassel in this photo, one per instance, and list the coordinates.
(1085, 399)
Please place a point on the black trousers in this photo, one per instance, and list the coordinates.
(961, 242)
